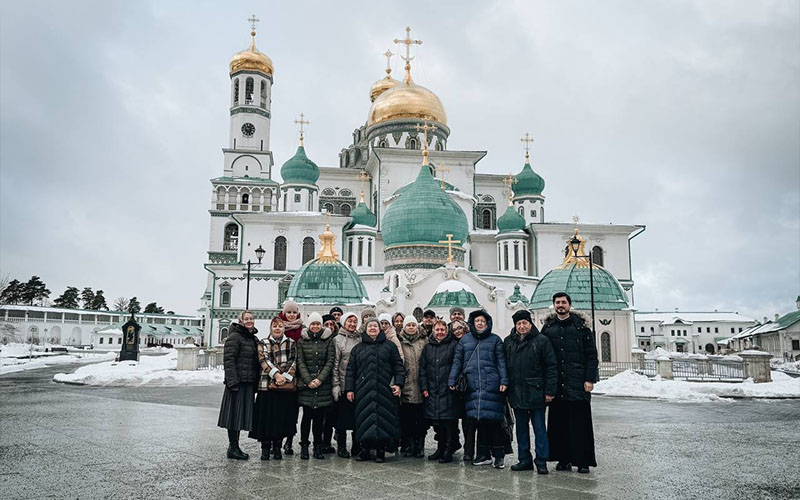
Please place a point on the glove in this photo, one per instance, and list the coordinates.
(336, 393)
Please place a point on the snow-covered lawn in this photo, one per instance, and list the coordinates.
(15, 358)
(787, 366)
(631, 384)
(153, 371)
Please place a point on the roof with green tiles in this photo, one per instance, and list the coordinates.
(518, 297)
(574, 279)
(362, 216)
(299, 169)
(322, 281)
(453, 293)
(528, 182)
(423, 214)
(510, 221)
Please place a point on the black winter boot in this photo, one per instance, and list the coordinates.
(419, 447)
(303, 452)
(380, 455)
(265, 447)
(276, 450)
(234, 451)
(318, 454)
(440, 449)
(287, 448)
(341, 445)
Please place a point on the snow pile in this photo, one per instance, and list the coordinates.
(153, 371)
(14, 358)
(631, 384)
(787, 366)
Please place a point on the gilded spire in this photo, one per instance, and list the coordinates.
(526, 141)
(327, 253)
(426, 128)
(408, 42)
(579, 260)
(302, 122)
(253, 22)
(388, 55)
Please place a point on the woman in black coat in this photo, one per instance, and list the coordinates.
(240, 359)
(373, 382)
(439, 401)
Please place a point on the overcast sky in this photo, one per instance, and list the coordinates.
(682, 116)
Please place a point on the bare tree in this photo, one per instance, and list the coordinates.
(121, 304)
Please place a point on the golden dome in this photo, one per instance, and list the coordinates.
(251, 59)
(407, 100)
(380, 87)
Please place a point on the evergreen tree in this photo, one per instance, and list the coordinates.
(134, 307)
(99, 302)
(34, 290)
(121, 304)
(152, 307)
(12, 293)
(68, 299)
(87, 298)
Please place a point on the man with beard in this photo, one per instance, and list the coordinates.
(569, 425)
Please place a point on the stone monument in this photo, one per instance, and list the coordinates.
(130, 340)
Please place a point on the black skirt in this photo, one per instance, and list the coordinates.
(236, 410)
(346, 415)
(570, 434)
(275, 415)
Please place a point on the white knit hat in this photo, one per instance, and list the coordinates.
(346, 315)
(314, 317)
(410, 319)
(385, 317)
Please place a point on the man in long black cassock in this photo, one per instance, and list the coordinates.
(569, 425)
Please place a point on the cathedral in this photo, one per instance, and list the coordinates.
(401, 223)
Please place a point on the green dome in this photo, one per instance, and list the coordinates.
(423, 214)
(510, 221)
(299, 169)
(322, 281)
(453, 293)
(574, 279)
(528, 182)
(363, 216)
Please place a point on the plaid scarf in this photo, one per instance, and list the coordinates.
(276, 356)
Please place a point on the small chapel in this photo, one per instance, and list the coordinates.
(399, 222)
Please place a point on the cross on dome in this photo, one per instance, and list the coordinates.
(425, 127)
(449, 242)
(363, 176)
(510, 181)
(301, 122)
(527, 141)
(408, 42)
(388, 55)
(443, 169)
(253, 20)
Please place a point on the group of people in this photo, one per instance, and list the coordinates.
(387, 379)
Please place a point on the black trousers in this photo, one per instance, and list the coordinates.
(314, 421)
(330, 422)
(468, 428)
(412, 421)
(491, 437)
(447, 433)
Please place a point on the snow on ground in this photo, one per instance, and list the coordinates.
(153, 371)
(14, 358)
(631, 384)
(787, 366)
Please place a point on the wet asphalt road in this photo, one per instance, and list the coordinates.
(60, 441)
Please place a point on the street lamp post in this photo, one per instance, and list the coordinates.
(575, 243)
(260, 255)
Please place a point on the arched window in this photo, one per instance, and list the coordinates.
(231, 242)
(245, 199)
(516, 256)
(605, 346)
(345, 193)
(220, 198)
(412, 144)
(328, 192)
(236, 92)
(396, 280)
(346, 209)
(328, 207)
(263, 94)
(308, 249)
(521, 211)
(248, 91)
(597, 255)
(418, 314)
(223, 334)
(505, 256)
(232, 198)
(486, 216)
(382, 144)
(267, 200)
(280, 254)
(225, 298)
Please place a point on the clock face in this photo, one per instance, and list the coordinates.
(248, 129)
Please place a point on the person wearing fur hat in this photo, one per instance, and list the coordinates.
(413, 426)
(293, 323)
(373, 383)
(569, 422)
(348, 338)
(532, 376)
(480, 357)
(240, 359)
(275, 414)
(315, 356)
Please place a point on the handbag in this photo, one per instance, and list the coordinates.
(288, 386)
(461, 380)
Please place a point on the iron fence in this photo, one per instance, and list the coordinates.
(647, 367)
(209, 359)
(700, 369)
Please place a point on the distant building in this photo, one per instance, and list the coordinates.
(694, 332)
(781, 337)
(74, 327)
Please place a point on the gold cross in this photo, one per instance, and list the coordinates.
(388, 55)
(575, 219)
(302, 122)
(527, 145)
(408, 43)
(253, 20)
(425, 127)
(444, 169)
(449, 241)
(363, 177)
(510, 181)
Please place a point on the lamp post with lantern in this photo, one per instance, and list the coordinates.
(575, 244)
(259, 255)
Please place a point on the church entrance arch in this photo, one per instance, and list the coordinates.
(76, 338)
(605, 347)
(55, 335)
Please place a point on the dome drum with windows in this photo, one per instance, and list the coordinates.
(572, 276)
(326, 279)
